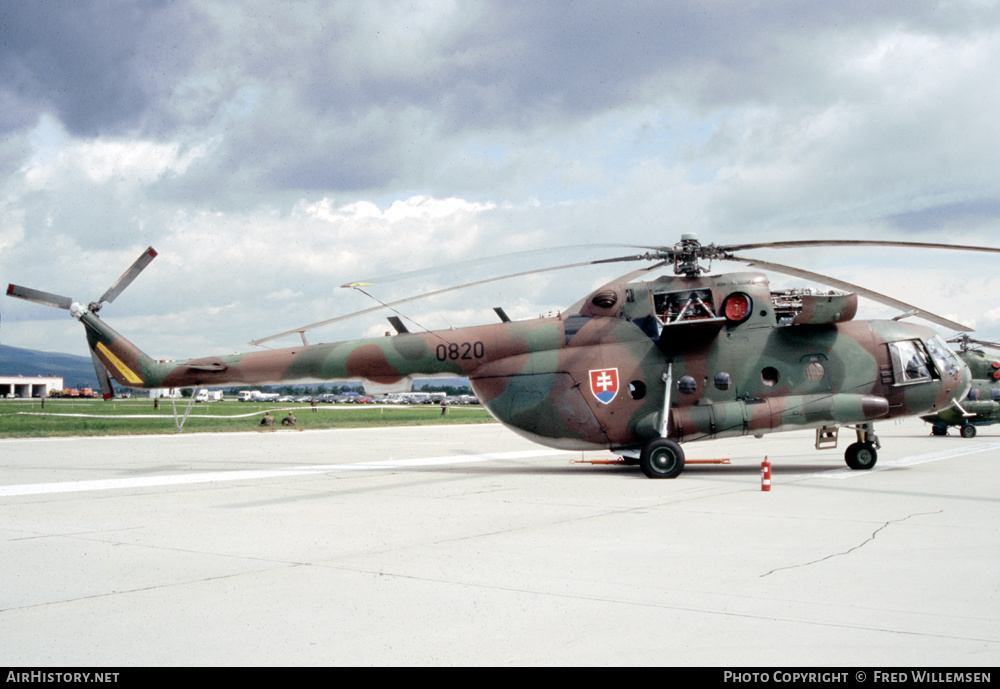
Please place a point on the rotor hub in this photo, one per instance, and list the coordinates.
(686, 256)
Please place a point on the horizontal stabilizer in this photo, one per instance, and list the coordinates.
(208, 366)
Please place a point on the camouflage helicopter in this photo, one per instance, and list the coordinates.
(636, 367)
(981, 406)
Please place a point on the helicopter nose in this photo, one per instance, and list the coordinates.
(962, 379)
(965, 382)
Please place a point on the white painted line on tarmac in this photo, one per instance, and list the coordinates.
(885, 465)
(251, 474)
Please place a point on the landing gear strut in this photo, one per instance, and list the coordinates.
(662, 457)
(862, 455)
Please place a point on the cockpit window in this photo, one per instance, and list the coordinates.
(945, 359)
(910, 362)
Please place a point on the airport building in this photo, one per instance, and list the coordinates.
(29, 386)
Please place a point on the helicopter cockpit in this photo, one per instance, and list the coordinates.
(921, 361)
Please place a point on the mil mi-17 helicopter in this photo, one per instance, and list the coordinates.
(636, 367)
(981, 406)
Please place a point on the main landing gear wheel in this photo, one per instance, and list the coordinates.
(968, 431)
(662, 458)
(861, 456)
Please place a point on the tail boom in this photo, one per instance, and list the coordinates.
(384, 360)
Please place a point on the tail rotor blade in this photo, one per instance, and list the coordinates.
(128, 276)
(39, 297)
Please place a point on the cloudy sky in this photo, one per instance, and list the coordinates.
(271, 152)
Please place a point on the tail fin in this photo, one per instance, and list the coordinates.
(120, 359)
(103, 377)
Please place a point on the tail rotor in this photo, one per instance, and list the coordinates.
(78, 310)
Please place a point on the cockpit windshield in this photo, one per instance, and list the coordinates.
(911, 364)
(945, 359)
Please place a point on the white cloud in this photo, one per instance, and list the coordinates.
(105, 161)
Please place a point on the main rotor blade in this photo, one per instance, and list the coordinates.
(805, 243)
(128, 276)
(476, 262)
(39, 297)
(434, 293)
(636, 274)
(981, 343)
(841, 284)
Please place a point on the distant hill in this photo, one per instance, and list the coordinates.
(76, 371)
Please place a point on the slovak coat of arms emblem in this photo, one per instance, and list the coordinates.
(604, 384)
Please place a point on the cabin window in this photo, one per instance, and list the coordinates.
(769, 376)
(723, 381)
(815, 372)
(637, 389)
(910, 362)
(815, 369)
(687, 385)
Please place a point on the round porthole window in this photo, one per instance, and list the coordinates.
(637, 389)
(723, 381)
(687, 385)
(815, 371)
(769, 376)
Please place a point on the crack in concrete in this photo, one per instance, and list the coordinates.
(851, 550)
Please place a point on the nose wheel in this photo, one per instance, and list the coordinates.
(863, 454)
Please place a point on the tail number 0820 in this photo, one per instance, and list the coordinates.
(460, 350)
